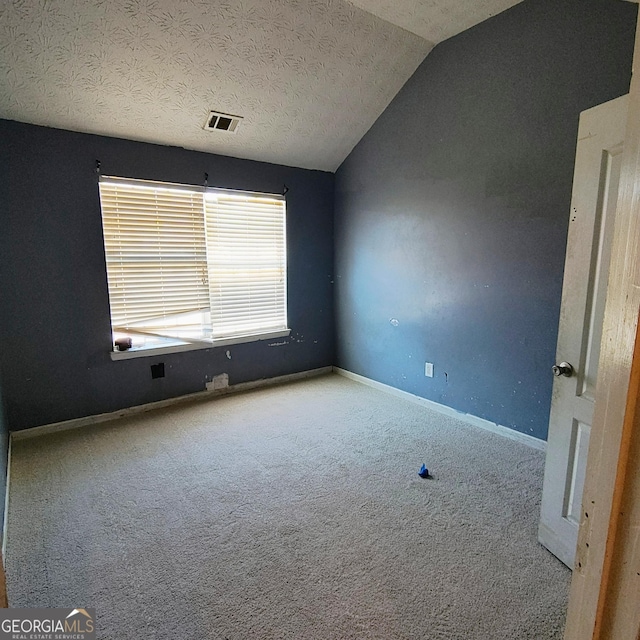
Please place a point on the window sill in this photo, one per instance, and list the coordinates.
(142, 352)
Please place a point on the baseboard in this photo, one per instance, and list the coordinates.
(160, 404)
(6, 504)
(267, 382)
(523, 438)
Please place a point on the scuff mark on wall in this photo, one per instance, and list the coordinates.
(217, 382)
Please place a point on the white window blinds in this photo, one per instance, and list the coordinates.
(246, 254)
(191, 263)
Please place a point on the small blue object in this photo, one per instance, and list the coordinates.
(424, 472)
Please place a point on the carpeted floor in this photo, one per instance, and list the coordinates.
(290, 512)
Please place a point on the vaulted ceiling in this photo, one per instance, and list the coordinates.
(308, 77)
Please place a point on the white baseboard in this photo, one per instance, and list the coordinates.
(523, 438)
(160, 404)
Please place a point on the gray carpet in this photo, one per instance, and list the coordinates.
(289, 512)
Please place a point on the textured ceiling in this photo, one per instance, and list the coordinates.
(308, 76)
(435, 20)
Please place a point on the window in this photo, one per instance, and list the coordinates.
(191, 264)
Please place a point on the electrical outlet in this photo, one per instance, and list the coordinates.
(157, 370)
(428, 369)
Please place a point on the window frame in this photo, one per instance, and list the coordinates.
(167, 344)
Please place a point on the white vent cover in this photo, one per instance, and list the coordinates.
(217, 121)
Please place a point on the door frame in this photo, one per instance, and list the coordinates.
(606, 579)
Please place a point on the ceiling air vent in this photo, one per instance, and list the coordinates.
(222, 122)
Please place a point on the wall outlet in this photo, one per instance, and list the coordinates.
(157, 370)
(428, 369)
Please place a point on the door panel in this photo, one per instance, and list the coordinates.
(577, 466)
(591, 220)
(611, 163)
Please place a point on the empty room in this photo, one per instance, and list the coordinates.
(318, 319)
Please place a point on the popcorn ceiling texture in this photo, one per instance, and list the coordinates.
(308, 76)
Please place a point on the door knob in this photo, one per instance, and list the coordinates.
(562, 369)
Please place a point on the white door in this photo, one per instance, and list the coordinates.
(593, 203)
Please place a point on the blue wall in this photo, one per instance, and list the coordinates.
(54, 304)
(450, 229)
(452, 212)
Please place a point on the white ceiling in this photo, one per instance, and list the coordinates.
(309, 77)
(435, 20)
